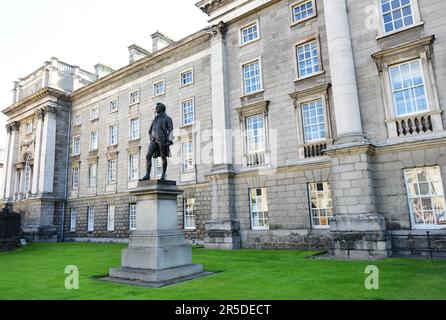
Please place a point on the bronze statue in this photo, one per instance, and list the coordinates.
(161, 138)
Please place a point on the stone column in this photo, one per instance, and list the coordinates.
(359, 232)
(37, 151)
(342, 71)
(13, 133)
(221, 133)
(48, 151)
(222, 229)
(157, 254)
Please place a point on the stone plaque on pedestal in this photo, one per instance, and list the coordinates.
(157, 254)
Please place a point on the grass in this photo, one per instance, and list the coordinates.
(37, 272)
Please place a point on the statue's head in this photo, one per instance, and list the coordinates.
(160, 108)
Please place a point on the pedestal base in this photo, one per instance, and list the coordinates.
(157, 254)
(156, 278)
(222, 234)
(359, 237)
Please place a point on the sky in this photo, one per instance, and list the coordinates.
(83, 33)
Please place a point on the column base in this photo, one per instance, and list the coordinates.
(360, 237)
(222, 234)
(40, 234)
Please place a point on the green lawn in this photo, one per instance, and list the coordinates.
(37, 272)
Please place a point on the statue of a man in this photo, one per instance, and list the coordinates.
(161, 137)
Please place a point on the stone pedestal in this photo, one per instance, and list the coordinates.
(361, 237)
(157, 254)
(222, 234)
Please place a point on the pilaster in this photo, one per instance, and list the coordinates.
(48, 151)
(13, 134)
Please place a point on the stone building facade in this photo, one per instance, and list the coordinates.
(299, 124)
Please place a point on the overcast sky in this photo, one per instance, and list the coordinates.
(83, 33)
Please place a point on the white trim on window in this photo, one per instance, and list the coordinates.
(134, 133)
(242, 41)
(132, 216)
(111, 171)
(308, 41)
(90, 219)
(73, 219)
(189, 222)
(307, 17)
(183, 118)
(29, 127)
(163, 92)
(260, 86)
(132, 99)
(133, 166)
(76, 145)
(114, 105)
(416, 17)
(191, 78)
(94, 144)
(92, 174)
(258, 207)
(113, 137)
(424, 212)
(75, 178)
(321, 204)
(111, 217)
(94, 112)
(77, 120)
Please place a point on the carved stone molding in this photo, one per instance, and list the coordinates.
(50, 109)
(219, 28)
(13, 126)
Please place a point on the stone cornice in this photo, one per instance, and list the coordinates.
(136, 66)
(207, 6)
(322, 89)
(42, 93)
(420, 44)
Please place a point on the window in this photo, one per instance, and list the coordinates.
(307, 59)
(132, 217)
(188, 162)
(27, 182)
(133, 167)
(252, 81)
(188, 111)
(396, 14)
(134, 97)
(94, 140)
(303, 11)
(259, 209)
(90, 219)
(73, 220)
(113, 135)
(189, 213)
(29, 127)
(159, 88)
(255, 133)
(249, 33)
(409, 94)
(77, 120)
(75, 178)
(114, 105)
(110, 218)
(313, 121)
(76, 146)
(321, 204)
(187, 77)
(134, 129)
(92, 174)
(94, 113)
(111, 171)
(426, 197)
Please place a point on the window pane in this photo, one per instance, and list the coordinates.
(321, 204)
(396, 14)
(307, 59)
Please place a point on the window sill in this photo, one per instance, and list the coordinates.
(186, 85)
(296, 23)
(310, 76)
(115, 111)
(249, 95)
(383, 36)
(241, 45)
(190, 229)
(133, 104)
(159, 95)
(189, 125)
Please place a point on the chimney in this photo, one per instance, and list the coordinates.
(136, 53)
(102, 70)
(160, 41)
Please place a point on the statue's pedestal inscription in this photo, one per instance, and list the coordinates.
(157, 254)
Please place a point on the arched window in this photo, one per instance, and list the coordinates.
(27, 177)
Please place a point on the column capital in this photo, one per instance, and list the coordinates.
(40, 113)
(13, 126)
(219, 28)
(49, 109)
